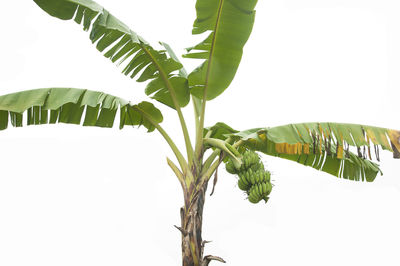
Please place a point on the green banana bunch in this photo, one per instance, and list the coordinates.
(253, 178)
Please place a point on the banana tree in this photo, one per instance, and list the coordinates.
(342, 150)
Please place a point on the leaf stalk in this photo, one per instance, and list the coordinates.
(171, 90)
(182, 162)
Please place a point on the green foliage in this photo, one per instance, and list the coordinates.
(124, 45)
(230, 23)
(297, 138)
(227, 24)
(74, 106)
(321, 146)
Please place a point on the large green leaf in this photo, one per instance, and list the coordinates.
(297, 138)
(230, 23)
(325, 146)
(124, 45)
(350, 167)
(74, 106)
(323, 157)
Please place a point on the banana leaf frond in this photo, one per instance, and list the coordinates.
(324, 146)
(230, 23)
(74, 106)
(122, 45)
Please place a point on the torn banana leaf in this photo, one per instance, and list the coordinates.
(305, 138)
(350, 167)
(323, 146)
(121, 45)
(74, 106)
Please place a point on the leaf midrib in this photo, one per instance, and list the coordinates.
(212, 49)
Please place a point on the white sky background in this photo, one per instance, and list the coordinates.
(92, 196)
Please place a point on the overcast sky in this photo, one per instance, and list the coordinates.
(90, 196)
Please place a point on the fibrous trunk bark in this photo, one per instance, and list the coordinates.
(191, 224)
(191, 229)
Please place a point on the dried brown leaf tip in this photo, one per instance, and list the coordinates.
(394, 136)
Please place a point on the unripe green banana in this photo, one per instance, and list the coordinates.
(245, 178)
(251, 192)
(230, 168)
(257, 167)
(250, 172)
(268, 176)
(255, 158)
(260, 189)
(255, 191)
(264, 177)
(241, 176)
(252, 199)
(246, 163)
(253, 178)
(264, 188)
(241, 185)
(269, 188)
(257, 177)
(259, 195)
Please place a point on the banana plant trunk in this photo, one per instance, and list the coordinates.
(191, 228)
